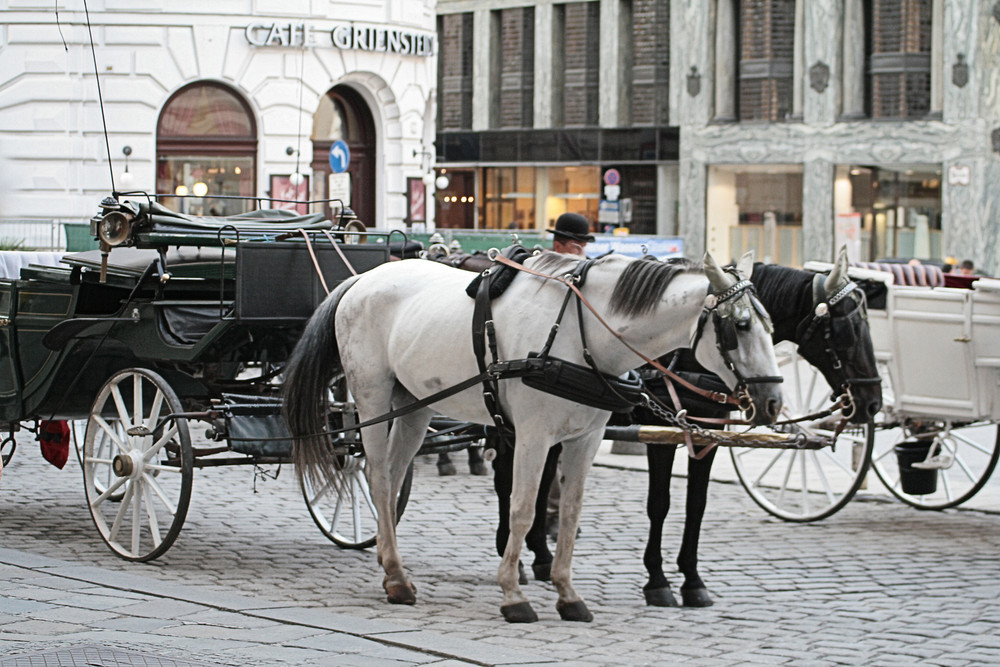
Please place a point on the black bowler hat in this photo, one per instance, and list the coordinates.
(573, 226)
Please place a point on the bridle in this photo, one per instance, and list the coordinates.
(726, 326)
(834, 327)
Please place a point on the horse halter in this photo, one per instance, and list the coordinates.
(837, 330)
(726, 326)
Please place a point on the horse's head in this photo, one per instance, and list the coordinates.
(835, 339)
(735, 332)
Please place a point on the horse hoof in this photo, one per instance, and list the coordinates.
(522, 578)
(574, 611)
(446, 469)
(543, 571)
(696, 597)
(401, 595)
(660, 597)
(519, 613)
(478, 468)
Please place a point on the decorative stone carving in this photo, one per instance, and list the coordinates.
(819, 76)
(960, 71)
(693, 82)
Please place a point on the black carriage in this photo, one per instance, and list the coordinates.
(179, 320)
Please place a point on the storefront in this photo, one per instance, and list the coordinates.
(216, 111)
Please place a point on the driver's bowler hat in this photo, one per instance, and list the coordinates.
(573, 226)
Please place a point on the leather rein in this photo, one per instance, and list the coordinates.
(741, 400)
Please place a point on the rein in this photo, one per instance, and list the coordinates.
(716, 396)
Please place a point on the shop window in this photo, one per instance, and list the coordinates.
(510, 194)
(575, 189)
(455, 71)
(766, 47)
(206, 146)
(899, 58)
(756, 208)
(890, 212)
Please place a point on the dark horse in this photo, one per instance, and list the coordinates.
(826, 317)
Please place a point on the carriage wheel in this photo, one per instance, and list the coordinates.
(343, 507)
(137, 478)
(805, 485)
(7, 447)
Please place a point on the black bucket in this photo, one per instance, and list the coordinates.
(915, 481)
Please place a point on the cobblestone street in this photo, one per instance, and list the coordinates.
(878, 583)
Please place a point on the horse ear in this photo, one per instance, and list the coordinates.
(838, 274)
(716, 276)
(745, 265)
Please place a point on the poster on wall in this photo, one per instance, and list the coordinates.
(847, 232)
(285, 195)
(416, 198)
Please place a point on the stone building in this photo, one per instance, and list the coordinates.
(786, 126)
(289, 99)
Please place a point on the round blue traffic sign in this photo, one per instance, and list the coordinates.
(340, 157)
(612, 177)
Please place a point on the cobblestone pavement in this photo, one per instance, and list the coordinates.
(878, 583)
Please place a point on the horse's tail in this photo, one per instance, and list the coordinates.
(308, 373)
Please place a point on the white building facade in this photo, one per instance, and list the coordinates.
(282, 99)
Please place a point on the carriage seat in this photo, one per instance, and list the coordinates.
(920, 275)
(12, 261)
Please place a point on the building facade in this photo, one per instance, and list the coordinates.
(785, 126)
(280, 99)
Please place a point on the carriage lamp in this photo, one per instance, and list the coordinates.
(112, 231)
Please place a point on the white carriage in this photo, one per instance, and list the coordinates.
(935, 442)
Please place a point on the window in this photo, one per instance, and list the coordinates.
(455, 71)
(757, 208)
(581, 62)
(767, 51)
(515, 67)
(206, 146)
(899, 58)
(650, 61)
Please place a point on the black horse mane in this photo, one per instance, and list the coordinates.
(785, 292)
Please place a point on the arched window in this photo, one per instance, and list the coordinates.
(344, 116)
(206, 145)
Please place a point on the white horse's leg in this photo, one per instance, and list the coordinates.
(577, 456)
(385, 480)
(529, 459)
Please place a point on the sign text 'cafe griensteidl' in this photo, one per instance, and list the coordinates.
(350, 36)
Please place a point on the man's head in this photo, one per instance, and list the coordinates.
(571, 233)
(966, 268)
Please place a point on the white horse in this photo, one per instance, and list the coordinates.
(402, 332)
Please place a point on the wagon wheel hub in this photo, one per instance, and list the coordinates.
(127, 465)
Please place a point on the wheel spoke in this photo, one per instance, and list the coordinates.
(154, 526)
(155, 448)
(136, 519)
(123, 414)
(114, 486)
(111, 432)
(122, 509)
(154, 485)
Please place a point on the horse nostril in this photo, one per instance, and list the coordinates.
(874, 407)
(773, 408)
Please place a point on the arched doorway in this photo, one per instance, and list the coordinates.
(206, 145)
(343, 115)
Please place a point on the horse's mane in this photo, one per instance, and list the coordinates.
(641, 284)
(783, 290)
